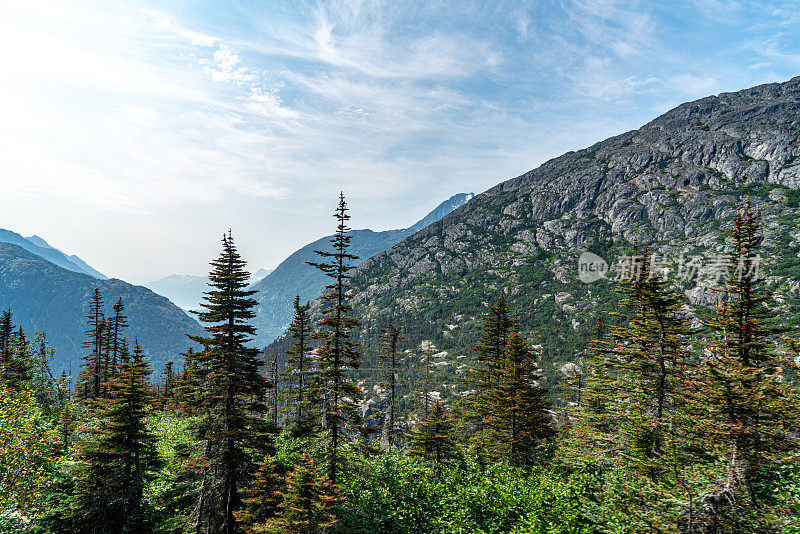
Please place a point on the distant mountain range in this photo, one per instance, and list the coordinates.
(187, 290)
(41, 248)
(44, 296)
(276, 292)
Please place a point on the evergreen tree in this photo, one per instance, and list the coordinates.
(6, 331)
(484, 372)
(6, 343)
(17, 367)
(116, 326)
(275, 379)
(518, 412)
(310, 501)
(433, 439)
(168, 394)
(191, 386)
(632, 420)
(262, 499)
(424, 391)
(390, 335)
(119, 455)
(90, 380)
(338, 350)
(233, 392)
(305, 416)
(744, 411)
(649, 356)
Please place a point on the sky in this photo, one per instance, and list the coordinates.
(135, 133)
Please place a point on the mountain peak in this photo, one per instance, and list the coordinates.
(443, 209)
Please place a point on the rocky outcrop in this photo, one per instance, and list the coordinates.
(675, 183)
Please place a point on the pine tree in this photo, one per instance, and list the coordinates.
(120, 454)
(338, 350)
(744, 412)
(262, 499)
(90, 380)
(233, 395)
(518, 412)
(433, 439)
(310, 502)
(305, 416)
(390, 335)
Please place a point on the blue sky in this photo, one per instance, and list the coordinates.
(135, 133)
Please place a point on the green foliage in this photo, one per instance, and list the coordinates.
(403, 496)
(26, 437)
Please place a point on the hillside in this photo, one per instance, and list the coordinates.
(187, 290)
(46, 297)
(675, 182)
(43, 249)
(276, 292)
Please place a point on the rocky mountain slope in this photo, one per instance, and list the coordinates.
(276, 292)
(676, 182)
(45, 297)
(42, 248)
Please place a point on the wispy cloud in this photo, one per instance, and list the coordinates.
(170, 122)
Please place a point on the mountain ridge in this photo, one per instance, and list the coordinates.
(675, 183)
(43, 249)
(294, 277)
(45, 297)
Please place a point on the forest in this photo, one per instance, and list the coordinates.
(669, 424)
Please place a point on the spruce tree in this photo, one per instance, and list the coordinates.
(632, 422)
(304, 416)
(116, 327)
(433, 439)
(90, 380)
(424, 390)
(120, 453)
(310, 502)
(6, 331)
(649, 356)
(743, 410)
(18, 365)
(168, 401)
(233, 392)
(518, 412)
(390, 335)
(484, 372)
(338, 350)
(262, 499)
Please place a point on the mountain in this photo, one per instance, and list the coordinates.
(676, 183)
(45, 297)
(187, 290)
(41, 248)
(276, 292)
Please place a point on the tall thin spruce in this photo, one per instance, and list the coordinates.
(90, 381)
(338, 350)
(390, 336)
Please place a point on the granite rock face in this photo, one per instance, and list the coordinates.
(674, 183)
